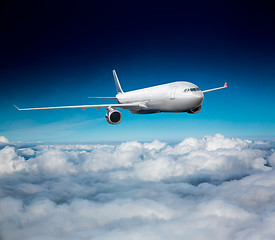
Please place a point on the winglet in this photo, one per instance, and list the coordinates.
(17, 108)
(225, 84)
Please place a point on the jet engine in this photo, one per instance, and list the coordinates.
(113, 116)
(195, 110)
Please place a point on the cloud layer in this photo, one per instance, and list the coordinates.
(209, 188)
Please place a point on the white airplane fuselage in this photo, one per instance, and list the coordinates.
(171, 97)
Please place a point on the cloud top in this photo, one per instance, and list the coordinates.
(4, 139)
(213, 187)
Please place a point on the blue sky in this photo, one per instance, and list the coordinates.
(59, 54)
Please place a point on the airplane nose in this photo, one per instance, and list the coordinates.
(199, 97)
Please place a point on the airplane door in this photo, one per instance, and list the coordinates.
(173, 93)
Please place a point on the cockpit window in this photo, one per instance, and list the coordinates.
(191, 89)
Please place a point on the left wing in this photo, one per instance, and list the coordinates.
(214, 89)
(129, 106)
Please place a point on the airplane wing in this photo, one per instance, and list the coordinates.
(104, 97)
(129, 106)
(214, 89)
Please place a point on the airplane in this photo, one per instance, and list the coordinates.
(172, 97)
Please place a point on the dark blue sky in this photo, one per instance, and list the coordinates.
(61, 52)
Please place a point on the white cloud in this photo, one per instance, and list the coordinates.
(27, 151)
(4, 139)
(271, 159)
(214, 187)
(10, 162)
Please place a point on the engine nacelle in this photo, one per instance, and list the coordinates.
(113, 116)
(195, 110)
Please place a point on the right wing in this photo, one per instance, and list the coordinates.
(129, 106)
(214, 89)
(104, 97)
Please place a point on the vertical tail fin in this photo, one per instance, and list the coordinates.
(118, 87)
